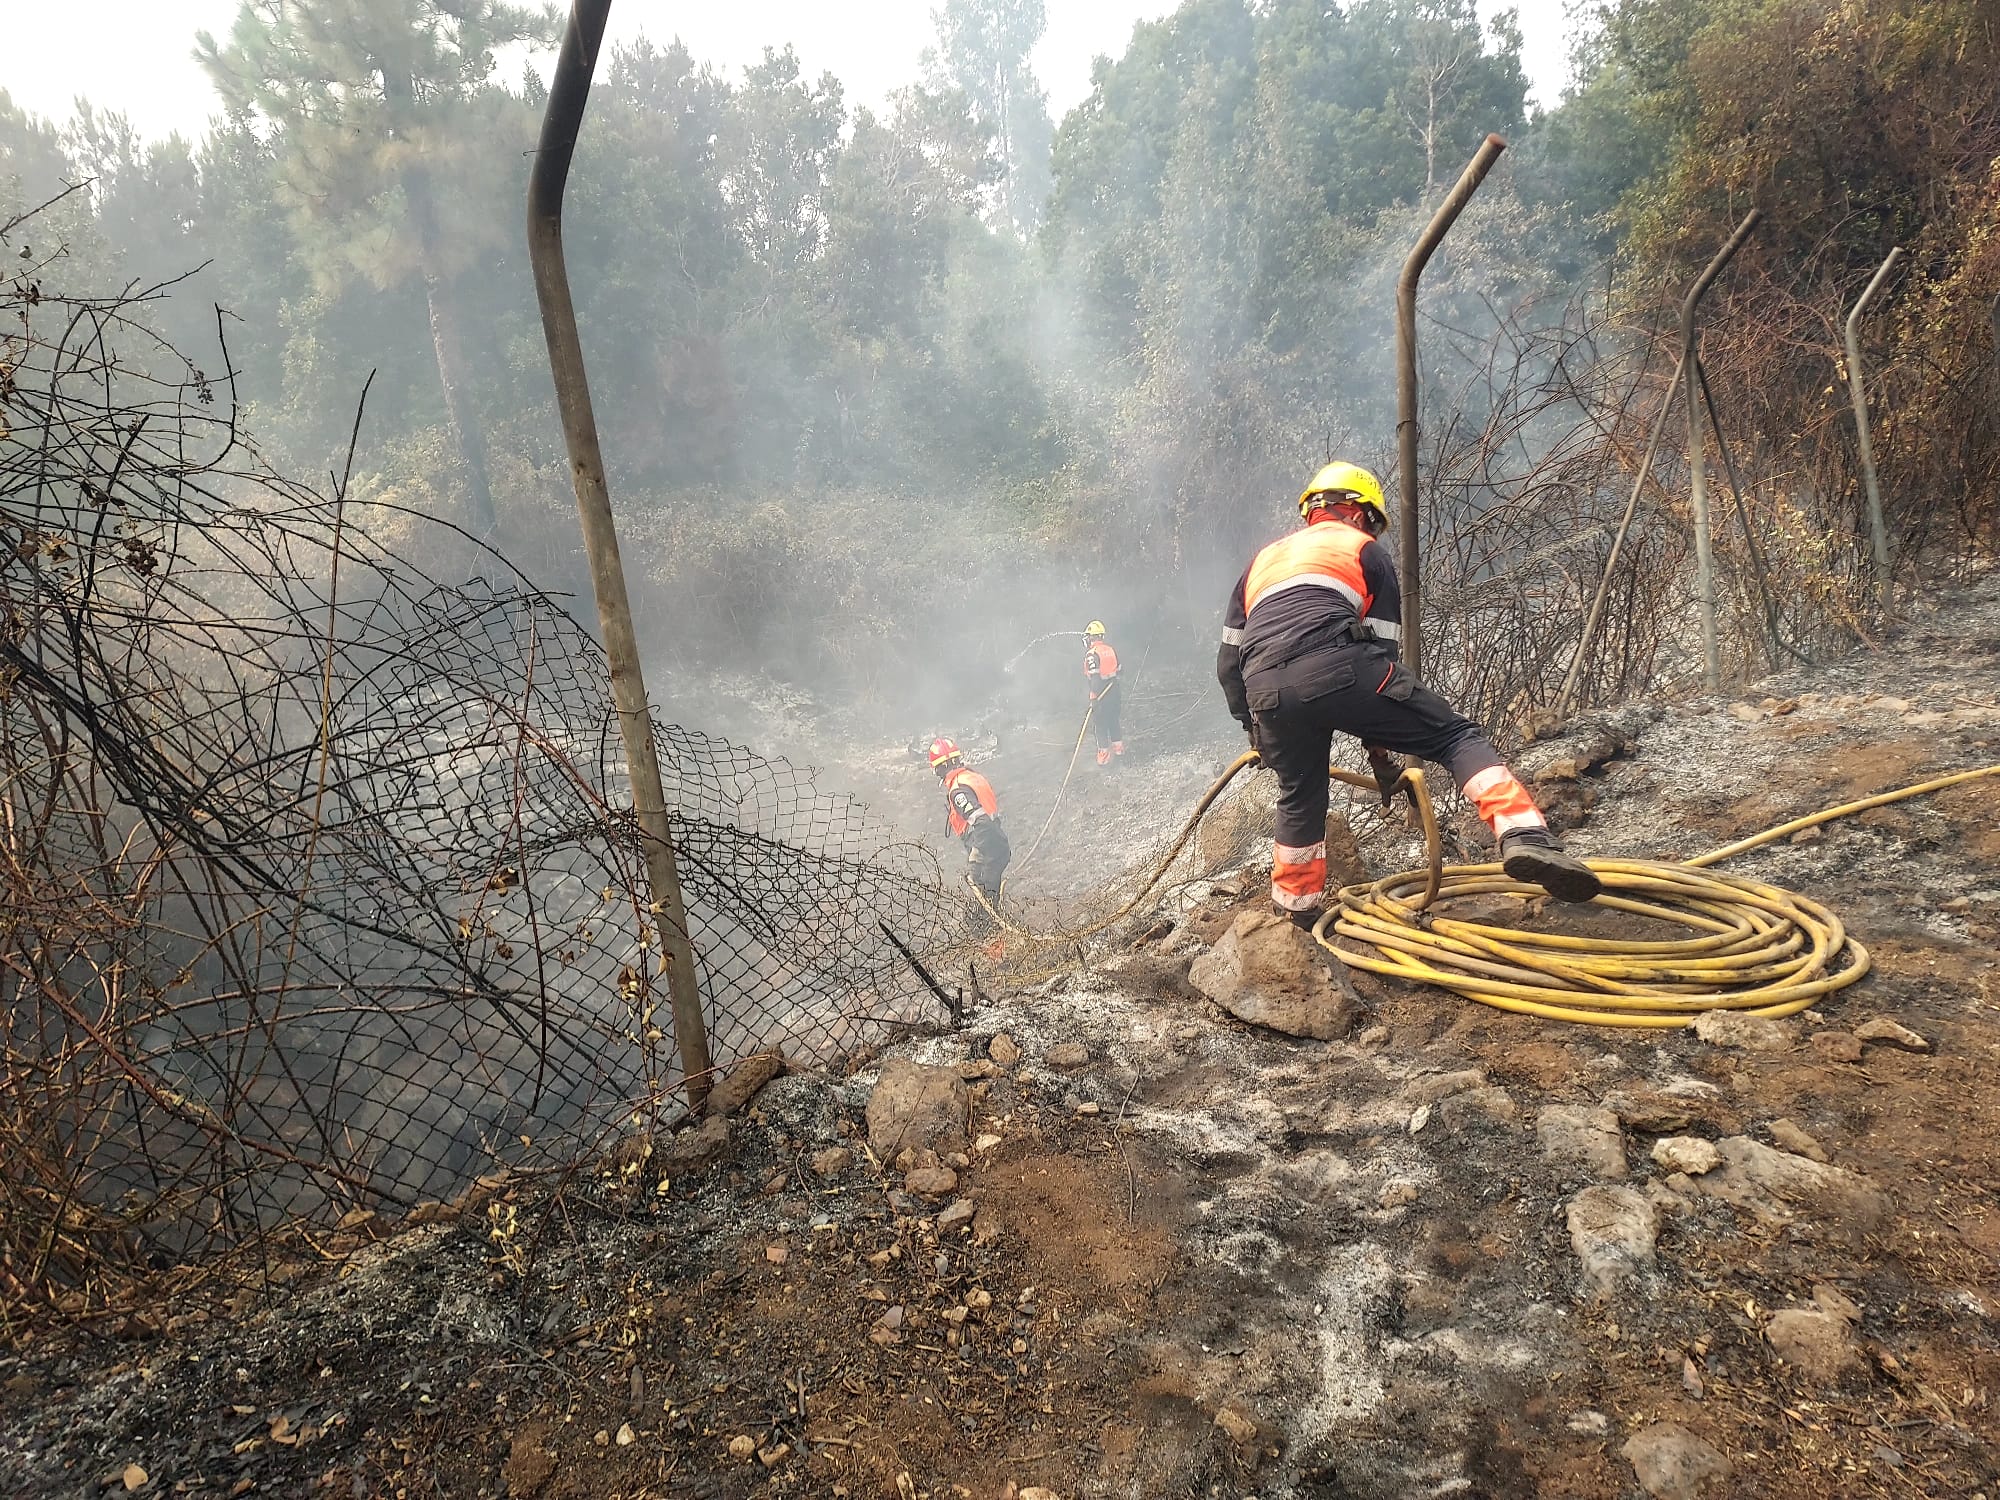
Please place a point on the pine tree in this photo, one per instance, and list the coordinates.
(364, 94)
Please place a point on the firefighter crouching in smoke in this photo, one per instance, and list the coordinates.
(1309, 648)
(972, 816)
(1100, 675)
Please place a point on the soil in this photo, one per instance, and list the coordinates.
(1185, 1276)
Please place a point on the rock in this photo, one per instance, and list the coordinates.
(133, 1477)
(1443, 1085)
(1686, 1153)
(1774, 1184)
(1671, 1462)
(1819, 1345)
(1375, 1036)
(1492, 1105)
(1066, 1057)
(1888, 1030)
(1796, 1141)
(625, 1436)
(777, 1255)
(1090, 1107)
(1589, 1423)
(1036, 1492)
(1733, 1028)
(1269, 973)
(986, 1143)
(1835, 1303)
(1656, 1114)
(832, 1161)
(985, 1227)
(1582, 1136)
(1749, 713)
(1396, 1192)
(1003, 1050)
(696, 1150)
(932, 1182)
(1612, 1231)
(915, 1108)
(741, 1447)
(977, 1069)
(1241, 1429)
(776, 1454)
(1837, 1046)
(740, 1085)
(1810, 835)
(960, 1212)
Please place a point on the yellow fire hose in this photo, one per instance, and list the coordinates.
(1756, 948)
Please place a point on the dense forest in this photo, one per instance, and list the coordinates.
(1070, 367)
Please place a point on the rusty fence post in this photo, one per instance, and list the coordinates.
(1704, 551)
(1410, 551)
(1878, 531)
(569, 91)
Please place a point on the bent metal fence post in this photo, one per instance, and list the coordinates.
(1878, 532)
(1704, 546)
(1410, 555)
(568, 93)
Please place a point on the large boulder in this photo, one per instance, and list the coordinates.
(1270, 973)
(741, 1084)
(1672, 1463)
(917, 1108)
(1819, 1344)
(1612, 1230)
(1582, 1138)
(1776, 1185)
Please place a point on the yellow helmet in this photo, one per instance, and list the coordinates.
(1345, 481)
(1094, 630)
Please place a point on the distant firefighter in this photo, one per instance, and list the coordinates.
(972, 816)
(1309, 648)
(1100, 675)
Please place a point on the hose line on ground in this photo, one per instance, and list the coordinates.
(1753, 947)
(1412, 777)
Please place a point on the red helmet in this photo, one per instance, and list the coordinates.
(943, 753)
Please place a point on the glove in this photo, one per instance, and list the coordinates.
(1250, 729)
(1387, 772)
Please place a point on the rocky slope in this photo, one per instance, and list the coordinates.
(1109, 1240)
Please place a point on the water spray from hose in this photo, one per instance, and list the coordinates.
(1015, 660)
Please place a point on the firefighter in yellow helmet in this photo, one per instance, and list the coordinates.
(1309, 649)
(1100, 676)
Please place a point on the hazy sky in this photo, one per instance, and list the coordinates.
(135, 55)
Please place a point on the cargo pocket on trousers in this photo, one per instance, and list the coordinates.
(1398, 684)
(1337, 680)
(1264, 700)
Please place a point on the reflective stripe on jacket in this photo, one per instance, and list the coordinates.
(1296, 594)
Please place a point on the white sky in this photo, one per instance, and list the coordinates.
(137, 55)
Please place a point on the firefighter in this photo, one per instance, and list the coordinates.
(1309, 648)
(972, 816)
(1100, 676)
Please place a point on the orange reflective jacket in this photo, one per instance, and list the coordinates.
(1100, 666)
(968, 797)
(1326, 556)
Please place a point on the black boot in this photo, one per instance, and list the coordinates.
(1303, 920)
(1534, 857)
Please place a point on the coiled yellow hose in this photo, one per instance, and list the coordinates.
(1754, 947)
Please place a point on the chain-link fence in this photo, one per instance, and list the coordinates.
(318, 896)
